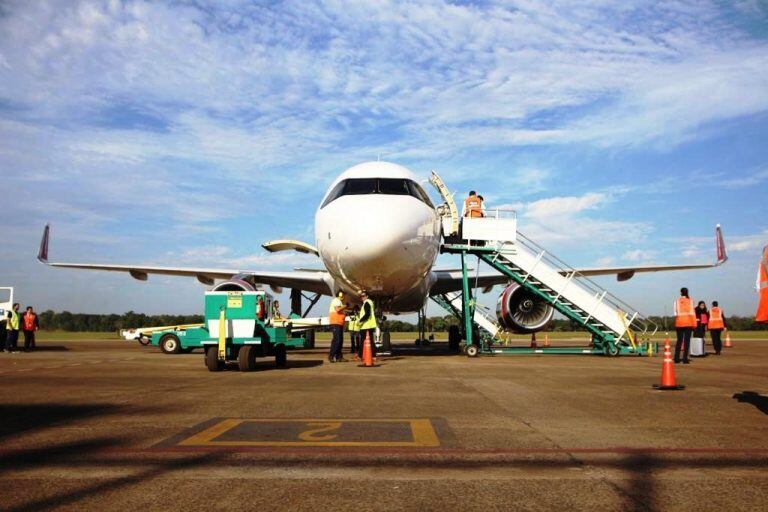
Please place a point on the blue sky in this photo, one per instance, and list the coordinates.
(187, 133)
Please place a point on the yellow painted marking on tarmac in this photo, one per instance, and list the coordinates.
(422, 431)
(318, 428)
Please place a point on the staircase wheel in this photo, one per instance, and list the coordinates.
(612, 349)
(472, 351)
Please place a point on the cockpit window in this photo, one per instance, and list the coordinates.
(388, 186)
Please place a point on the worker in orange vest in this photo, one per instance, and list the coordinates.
(716, 326)
(685, 321)
(337, 317)
(29, 324)
(762, 288)
(473, 206)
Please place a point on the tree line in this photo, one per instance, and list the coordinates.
(84, 322)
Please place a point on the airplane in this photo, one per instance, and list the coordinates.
(390, 249)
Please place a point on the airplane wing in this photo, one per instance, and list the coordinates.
(313, 281)
(625, 273)
(450, 280)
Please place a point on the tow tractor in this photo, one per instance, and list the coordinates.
(237, 329)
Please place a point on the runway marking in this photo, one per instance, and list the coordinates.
(396, 433)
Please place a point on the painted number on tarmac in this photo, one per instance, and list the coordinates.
(319, 432)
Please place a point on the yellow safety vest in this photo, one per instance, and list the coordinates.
(353, 327)
(371, 322)
(13, 322)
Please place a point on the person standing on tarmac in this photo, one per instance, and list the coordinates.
(717, 324)
(29, 324)
(12, 328)
(354, 333)
(685, 322)
(367, 324)
(336, 318)
(702, 320)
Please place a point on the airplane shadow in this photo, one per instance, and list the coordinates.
(754, 398)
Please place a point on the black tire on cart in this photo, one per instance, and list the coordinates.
(170, 344)
(212, 360)
(246, 358)
(281, 356)
(145, 340)
(472, 350)
(612, 349)
(454, 338)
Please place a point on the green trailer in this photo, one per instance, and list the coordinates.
(237, 329)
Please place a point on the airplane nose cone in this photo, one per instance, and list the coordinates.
(387, 245)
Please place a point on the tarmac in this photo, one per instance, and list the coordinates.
(111, 425)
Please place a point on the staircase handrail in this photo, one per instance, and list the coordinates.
(644, 323)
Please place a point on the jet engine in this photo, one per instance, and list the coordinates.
(520, 311)
(234, 285)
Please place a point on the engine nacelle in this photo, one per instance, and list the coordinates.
(520, 311)
(234, 285)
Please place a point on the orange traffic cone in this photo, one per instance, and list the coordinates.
(367, 351)
(546, 340)
(667, 371)
(728, 343)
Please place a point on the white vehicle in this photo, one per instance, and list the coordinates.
(6, 302)
(376, 229)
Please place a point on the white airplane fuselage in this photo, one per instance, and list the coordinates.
(373, 236)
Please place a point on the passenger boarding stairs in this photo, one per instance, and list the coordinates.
(609, 319)
(484, 318)
(494, 239)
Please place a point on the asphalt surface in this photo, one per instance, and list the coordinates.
(97, 425)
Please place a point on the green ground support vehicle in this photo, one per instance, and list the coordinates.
(237, 329)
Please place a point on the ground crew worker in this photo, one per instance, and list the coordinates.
(685, 321)
(762, 288)
(336, 318)
(354, 334)
(473, 206)
(29, 324)
(367, 323)
(12, 328)
(276, 310)
(716, 326)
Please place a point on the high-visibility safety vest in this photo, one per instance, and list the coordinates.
(762, 287)
(336, 317)
(353, 326)
(369, 323)
(13, 321)
(716, 318)
(29, 321)
(685, 315)
(473, 207)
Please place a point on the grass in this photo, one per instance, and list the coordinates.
(396, 336)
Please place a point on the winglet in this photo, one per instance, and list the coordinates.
(722, 256)
(42, 254)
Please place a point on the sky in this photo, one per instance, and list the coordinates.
(187, 133)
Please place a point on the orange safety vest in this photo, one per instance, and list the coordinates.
(762, 306)
(716, 319)
(29, 321)
(336, 317)
(473, 207)
(685, 315)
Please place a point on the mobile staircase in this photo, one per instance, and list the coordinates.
(616, 328)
